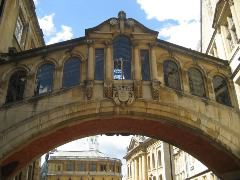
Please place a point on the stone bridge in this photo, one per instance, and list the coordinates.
(118, 79)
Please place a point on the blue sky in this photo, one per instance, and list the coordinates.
(177, 21)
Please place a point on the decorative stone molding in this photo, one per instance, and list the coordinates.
(108, 90)
(155, 89)
(113, 21)
(123, 95)
(89, 89)
(230, 2)
(138, 89)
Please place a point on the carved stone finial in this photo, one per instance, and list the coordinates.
(122, 15)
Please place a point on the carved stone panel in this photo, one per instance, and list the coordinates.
(155, 90)
(123, 94)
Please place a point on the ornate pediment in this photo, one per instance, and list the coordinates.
(135, 141)
(122, 25)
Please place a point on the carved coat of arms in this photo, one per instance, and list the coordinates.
(123, 95)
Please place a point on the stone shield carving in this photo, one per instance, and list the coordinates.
(123, 95)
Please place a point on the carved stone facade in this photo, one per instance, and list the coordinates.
(63, 106)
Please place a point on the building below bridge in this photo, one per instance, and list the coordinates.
(151, 159)
(81, 165)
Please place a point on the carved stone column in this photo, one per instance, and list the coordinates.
(90, 73)
(108, 87)
(144, 167)
(108, 68)
(140, 167)
(90, 70)
(153, 62)
(137, 73)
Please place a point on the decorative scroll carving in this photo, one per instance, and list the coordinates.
(231, 3)
(138, 89)
(108, 90)
(155, 89)
(89, 89)
(123, 95)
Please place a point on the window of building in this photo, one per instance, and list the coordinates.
(154, 178)
(19, 29)
(144, 54)
(171, 75)
(153, 160)
(221, 90)
(149, 163)
(71, 72)
(59, 167)
(1, 7)
(103, 167)
(159, 159)
(196, 82)
(82, 166)
(44, 80)
(160, 177)
(16, 86)
(70, 166)
(118, 169)
(99, 64)
(122, 57)
(93, 167)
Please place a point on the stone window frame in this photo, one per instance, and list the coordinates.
(20, 36)
(202, 75)
(229, 103)
(36, 89)
(121, 60)
(16, 72)
(179, 88)
(67, 72)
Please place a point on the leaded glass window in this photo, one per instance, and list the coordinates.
(171, 75)
(71, 72)
(70, 166)
(144, 54)
(122, 57)
(196, 82)
(82, 166)
(221, 90)
(16, 86)
(44, 81)
(99, 64)
(19, 29)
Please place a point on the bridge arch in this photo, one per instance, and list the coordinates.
(65, 123)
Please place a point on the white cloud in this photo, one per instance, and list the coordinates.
(35, 2)
(63, 35)
(47, 25)
(183, 10)
(186, 34)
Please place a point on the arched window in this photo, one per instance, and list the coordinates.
(196, 82)
(16, 86)
(221, 90)
(71, 72)
(122, 56)
(171, 74)
(153, 161)
(44, 80)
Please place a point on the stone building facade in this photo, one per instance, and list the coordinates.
(82, 165)
(19, 27)
(118, 73)
(149, 159)
(220, 29)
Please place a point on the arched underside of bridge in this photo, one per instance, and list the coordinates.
(215, 156)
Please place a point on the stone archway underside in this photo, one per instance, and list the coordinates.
(215, 157)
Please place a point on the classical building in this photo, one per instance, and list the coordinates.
(118, 78)
(82, 165)
(19, 27)
(149, 159)
(220, 20)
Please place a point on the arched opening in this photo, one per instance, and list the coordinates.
(122, 58)
(197, 144)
